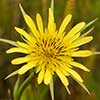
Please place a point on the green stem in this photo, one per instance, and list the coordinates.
(24, 85)
(16, 87)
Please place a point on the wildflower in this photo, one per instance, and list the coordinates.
(50, 51)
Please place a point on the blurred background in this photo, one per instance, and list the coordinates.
(82, 10)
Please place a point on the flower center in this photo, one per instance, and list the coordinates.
(50, 48)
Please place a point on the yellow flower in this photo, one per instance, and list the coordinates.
(50, 51)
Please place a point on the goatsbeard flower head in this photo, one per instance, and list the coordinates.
(51, 51)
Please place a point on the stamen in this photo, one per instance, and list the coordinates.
(50, 48)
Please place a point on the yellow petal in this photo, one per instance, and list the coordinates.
(65, 58)
(71, 50)
(62, 77)
(21, 60)
(81, 41)
(64, 71)
(78, 65)
(75, 75)
(51, 24)
(64, 24)
(22, 32)
(82, 53)
(31, 25)
(47, 77)
(41, 65)
(38, 69)
(20, 50)
(22, 44)
(74, 30)
(41, 76)
(26, 67)
(39, 23)
(76, 36)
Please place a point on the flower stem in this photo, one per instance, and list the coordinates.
(16, 87)
(24, 85)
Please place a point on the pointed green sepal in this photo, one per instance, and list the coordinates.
(22, 10)
(84, 87)
(90, 23)
(97, 53)
(51, 86)
(52, 5)
(8, 41)
(68, 90)
(12, 74)
(85, 34)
